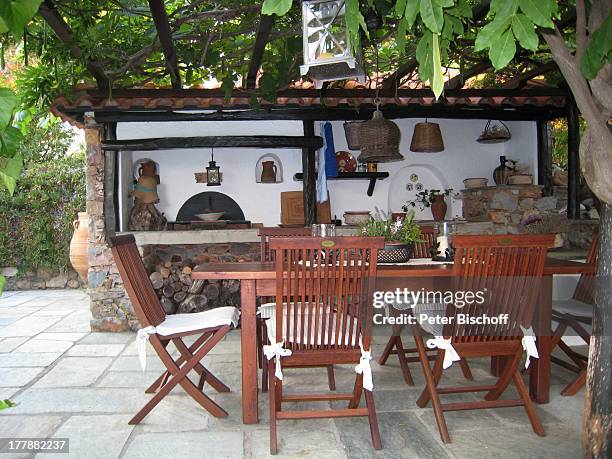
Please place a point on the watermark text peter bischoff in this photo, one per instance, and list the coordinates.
(403, 299)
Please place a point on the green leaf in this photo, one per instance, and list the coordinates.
(15, 14)
(598, 50)
(504, 8)
(437, 82)
(10, 168)
(9, 141)
(8, 102)
(524, 31)
(502, 50)
(539, 11)
(490, 32)
(227, 86)
(445, 3)
(432, 15)
(2, 284)
(354, 20)
(412, 9)
(402, 29)
(6, 403)
(278, 7)
(424, 56)
(400, 8)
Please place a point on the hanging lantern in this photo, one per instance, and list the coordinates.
(327, 50)
(213, 176)
(496, 133)
(427, 138)
(379, 140)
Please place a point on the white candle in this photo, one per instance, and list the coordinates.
(442, 245)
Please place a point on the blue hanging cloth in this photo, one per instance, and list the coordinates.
(331, 167)
(322, 194)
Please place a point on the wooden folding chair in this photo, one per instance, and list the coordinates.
(575, 313)
(327, 286)
(266, 310)
(211, 326)
(508, 269)
(395, 346)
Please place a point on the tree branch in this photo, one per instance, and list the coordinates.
(581, 35)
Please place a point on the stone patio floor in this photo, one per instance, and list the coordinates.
(69, 382)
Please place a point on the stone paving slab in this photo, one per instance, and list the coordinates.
(188, 445)
(18, 377)
(98, 350)
(9, 344)
(79, 400)
(38, 359)
(74, 372)
(8, 392)
(93, 437)
(59, 336)
(44, 345)
(107, 338)
(28, 327)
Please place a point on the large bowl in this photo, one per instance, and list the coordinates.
(210, 216)
(356, 218)
(520, 179)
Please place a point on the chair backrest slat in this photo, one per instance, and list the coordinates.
(142, 295)
(423, 249)
(586, 284)
(508, 270)
(267, 233)
(327, 285)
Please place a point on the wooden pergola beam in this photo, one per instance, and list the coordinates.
(520, 80)
(254, 141)
(162, 25)
(49, 13)
(458, 81)
(261, 38)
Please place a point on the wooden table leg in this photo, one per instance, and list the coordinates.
(248, 329)
(539, 382)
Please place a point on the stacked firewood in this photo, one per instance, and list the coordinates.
(181, 294)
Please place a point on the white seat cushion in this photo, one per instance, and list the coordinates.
(437, 310)
(322, 339)
(180, 323)
(574, 307)
(267, 310)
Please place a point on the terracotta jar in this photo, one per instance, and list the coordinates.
(79, 245)
(269, 171)
(438, 207)
(501, 172)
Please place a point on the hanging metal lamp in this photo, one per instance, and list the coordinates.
(496, 133)
(427, 138)
(213, 176)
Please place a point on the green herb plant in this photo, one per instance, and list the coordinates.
(405, 230)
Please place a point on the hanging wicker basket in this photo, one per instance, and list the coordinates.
(351, 131)
(379, 140)
(427, 138)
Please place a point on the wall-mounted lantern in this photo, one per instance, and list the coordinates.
(213, 176)
(327, 50)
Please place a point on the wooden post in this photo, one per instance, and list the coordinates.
(573, 161)
(110, 170)
(545, 157)
(310, 182)
(597, 428)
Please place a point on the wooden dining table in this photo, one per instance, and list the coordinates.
(259, 279)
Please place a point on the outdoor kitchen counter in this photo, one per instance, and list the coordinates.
(213, 236)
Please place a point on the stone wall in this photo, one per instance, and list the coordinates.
(43, 278)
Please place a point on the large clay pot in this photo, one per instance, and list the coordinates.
(269, 171)
(501, 172)
(79, 245)
(438, 207)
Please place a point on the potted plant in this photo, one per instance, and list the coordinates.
(430, 198)
(400, 236)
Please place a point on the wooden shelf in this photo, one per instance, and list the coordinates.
(371, 176)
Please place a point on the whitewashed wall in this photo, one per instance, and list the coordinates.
(463, 157)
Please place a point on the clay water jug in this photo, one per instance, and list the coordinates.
(501, 172)
(79, 245)
(268, 173)
(438, 207)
